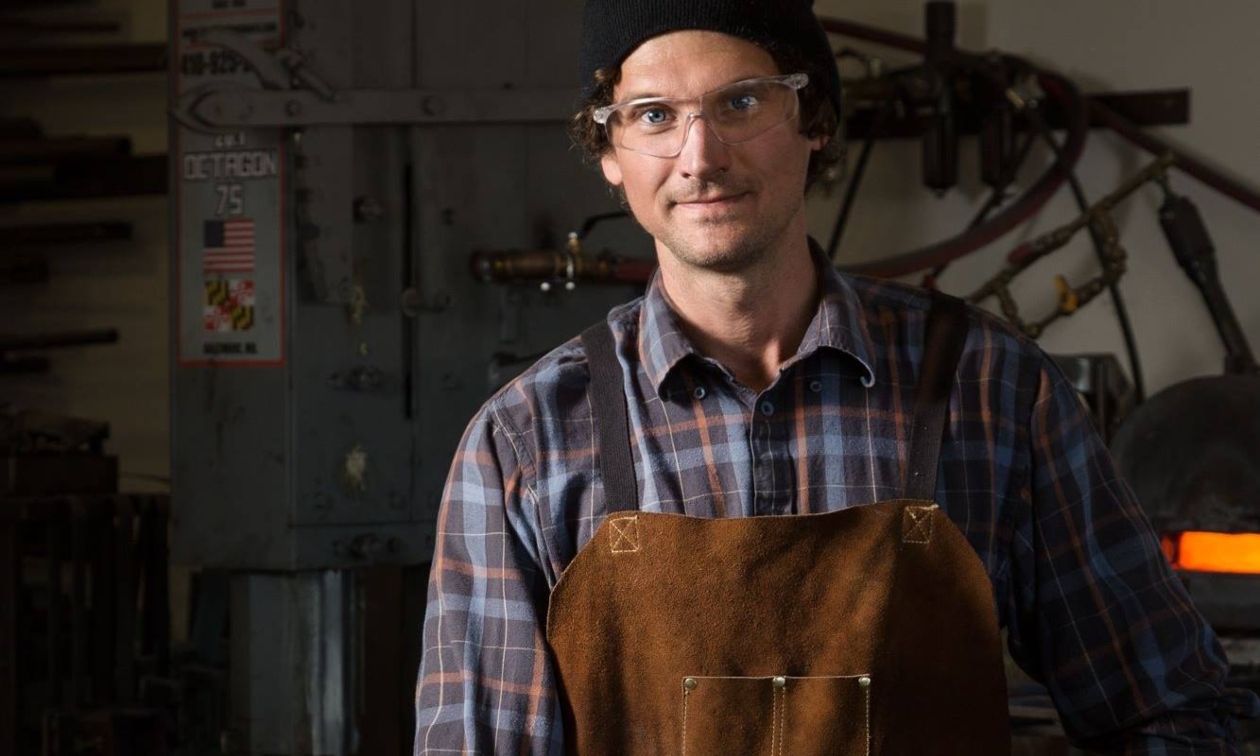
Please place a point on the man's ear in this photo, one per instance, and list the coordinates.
(612, 169)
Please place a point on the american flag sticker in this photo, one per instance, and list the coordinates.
(228, 246)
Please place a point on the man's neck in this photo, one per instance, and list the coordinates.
(752, 321)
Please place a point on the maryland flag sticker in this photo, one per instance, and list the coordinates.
(229, 306)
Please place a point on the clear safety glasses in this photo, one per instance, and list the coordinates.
(735, 113)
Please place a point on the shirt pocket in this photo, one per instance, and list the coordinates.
(802, 716)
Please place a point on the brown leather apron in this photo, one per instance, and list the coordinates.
(869, 630)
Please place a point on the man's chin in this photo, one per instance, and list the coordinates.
(719, 254)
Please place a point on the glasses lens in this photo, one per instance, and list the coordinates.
(745, 110)
(736, 113)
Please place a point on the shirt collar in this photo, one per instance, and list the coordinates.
(839, 324)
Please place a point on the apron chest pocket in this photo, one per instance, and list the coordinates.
(802, 716)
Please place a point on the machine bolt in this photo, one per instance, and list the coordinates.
(367, 546)
(690, 683)
(368, 210)
(780, 682)
(864, 682)
(433, 106)
(367, 378)
(411, 302)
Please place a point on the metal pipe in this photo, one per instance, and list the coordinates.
(23, 342)
(83, 60)
(1101, 112)
(549, 266)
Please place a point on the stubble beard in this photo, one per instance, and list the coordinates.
(727, 250)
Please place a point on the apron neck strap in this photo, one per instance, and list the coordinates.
(943, 340)
(608, 402)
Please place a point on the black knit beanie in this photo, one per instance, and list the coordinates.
(612, 29)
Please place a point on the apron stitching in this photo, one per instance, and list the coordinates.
(774, 720)
(867, 691)
(625, 535)
(919, 525)
(782, 717)
(686, 695)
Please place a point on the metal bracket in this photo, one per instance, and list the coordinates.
(293, 95)
(218, 109)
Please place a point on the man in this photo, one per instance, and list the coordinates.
(616, 570)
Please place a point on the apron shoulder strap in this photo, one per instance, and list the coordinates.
(612, 424)
(946, 333)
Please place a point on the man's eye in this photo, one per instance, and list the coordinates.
(743, 101)
(651, 116)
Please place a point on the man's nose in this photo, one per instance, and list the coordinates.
(703, 154)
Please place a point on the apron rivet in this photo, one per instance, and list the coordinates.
(780, 682)
(864, 682)
(690, 683)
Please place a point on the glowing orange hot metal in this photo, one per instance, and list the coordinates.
(1213, 552)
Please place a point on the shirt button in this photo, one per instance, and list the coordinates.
(767, 408)
(699, 392)
(815, 386)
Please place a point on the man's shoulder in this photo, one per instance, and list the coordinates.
(554, 389)
(895, 307)
(896, 311)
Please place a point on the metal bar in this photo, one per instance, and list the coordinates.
(60, 149)
(60, 234)
(22, 342)
(1222, 183)
(210, 614)
(1164, 107)
(125, 601)
(10, 579)
(255, 108)
(55, 544)
(155, 619)
(22, 365)
(83, 60)
(85, 179)
(1238, 355)
(384, 715)
(104, 604)
(32, 27)
(368, 106)
(78, 597)
(23, 272)
(20, 128)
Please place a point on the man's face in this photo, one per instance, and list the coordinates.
(714, 206)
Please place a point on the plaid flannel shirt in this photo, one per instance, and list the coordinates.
(1090, 605)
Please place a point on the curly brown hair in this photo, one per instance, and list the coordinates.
(818, 115)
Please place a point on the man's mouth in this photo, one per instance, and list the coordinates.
(722, 200)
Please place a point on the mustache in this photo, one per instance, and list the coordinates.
(707, 191)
